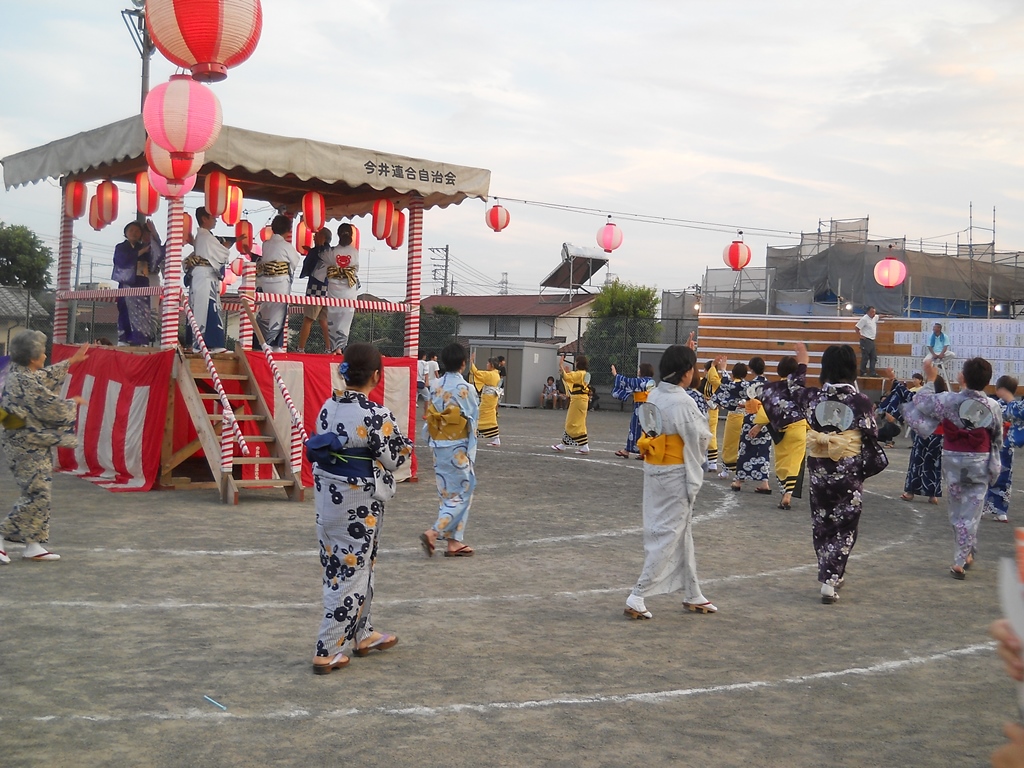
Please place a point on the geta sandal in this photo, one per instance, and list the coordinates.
(907, 496)
(382, 643)
(428, 545)
(339, 661)
(462, 551)
(706, 607)
(957, 572)
(765, 491)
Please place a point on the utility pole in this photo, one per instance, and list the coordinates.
(442, 257)
(74, 302)
(135, 21)
(503, 284)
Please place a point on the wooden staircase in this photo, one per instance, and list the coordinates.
(202, 401)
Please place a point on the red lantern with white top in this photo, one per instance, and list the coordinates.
(175, 166)
(890, 272)
(216, 188)
(266, 233)
(314, 211)
(205, 36)
(168, 188)
(303, 240)
(76, 199)
(106, 201)
(95, 221)
(383, 218)
(396, 237)
(497, 218)
(186, 225)
(182, 115)
(233, 210)
(609, 237)
(147, 199)
(238, 266)
(243, 238)
(355, 237)
(736, 255)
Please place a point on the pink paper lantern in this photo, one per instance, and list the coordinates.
(168, 188)
(397, 235)
(182, 115)
(736, 255)
(206, 36)
(175, 166)
(243, 238)
(890, 272)
(609, 236)
(76, 199)
(233, 210)
(106, 201)
(147, 199)
(314, 211)
(383, 218)
(497, 218)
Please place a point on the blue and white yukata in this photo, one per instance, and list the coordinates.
(452, 415)
(635, 388)
(274, 272)
(754, 458)
(206, 268)
(350, 512)
(970, 455)
(997, 500)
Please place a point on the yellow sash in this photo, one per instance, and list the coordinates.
(640, 397)
(273, 269)
(10, 421)
(347, 273)
(448, 424)
(663, 449)
(752, 406)
(833, 445)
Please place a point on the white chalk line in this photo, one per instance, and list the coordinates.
(639, 697)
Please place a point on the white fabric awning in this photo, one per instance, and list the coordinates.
(277, 169)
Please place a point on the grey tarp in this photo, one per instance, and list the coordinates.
(277, 169)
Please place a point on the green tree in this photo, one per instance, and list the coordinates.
(623, 315)
(24, 260)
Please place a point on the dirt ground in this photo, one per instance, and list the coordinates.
(519, 656)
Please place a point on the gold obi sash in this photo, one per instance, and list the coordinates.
(663, 449)
(273, 269)
(752, 406)
(10, 421)
(448, 424)
(833, 445)
(640, 397)
(194, 261)
(339, 273)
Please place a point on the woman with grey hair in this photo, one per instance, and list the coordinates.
(38, 419)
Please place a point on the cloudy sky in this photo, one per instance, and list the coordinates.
(742, 114)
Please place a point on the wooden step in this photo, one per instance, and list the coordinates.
(258, 460)
(223, 376)
(260, 439)
(231, 396)
(275, 483)
(238, 417)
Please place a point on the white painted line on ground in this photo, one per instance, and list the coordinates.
(639, 697)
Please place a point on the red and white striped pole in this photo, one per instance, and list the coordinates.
(64, 260)
(246, 290)
(170, 307)
(412, 279)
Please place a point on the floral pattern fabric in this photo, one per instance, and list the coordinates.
(623, 388)
(997, 500)
(350, 513)
(754, 459)
(454, 460)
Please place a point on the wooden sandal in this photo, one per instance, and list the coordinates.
(382, 643)
(339, 661)
(907, 496)
(462, 551)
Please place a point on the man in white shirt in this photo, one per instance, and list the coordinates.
(274, 272)
(867, 327)
(938, 346)
(204, 269)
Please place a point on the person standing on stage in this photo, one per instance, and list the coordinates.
(315, 270)
(867, 327)
(132, 266)
(342, 283)
(203, 272)
(274, 270)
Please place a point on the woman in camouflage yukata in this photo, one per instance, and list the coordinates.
(843, 450)
(37, 419)
(357, 447)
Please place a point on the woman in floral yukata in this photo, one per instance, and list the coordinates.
(997, 500)
(754, 454)
(843, 449)
(972, 435)
(789, 433)
(453, 413)
(358, 445)
(634, 389)
(729, 398)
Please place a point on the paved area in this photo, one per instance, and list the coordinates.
(519, 656)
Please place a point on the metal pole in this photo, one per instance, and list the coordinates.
(74, 303)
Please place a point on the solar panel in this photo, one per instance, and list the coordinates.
(578, 266)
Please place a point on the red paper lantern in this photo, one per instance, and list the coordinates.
(106, 201)
(397, 234)
(233, 210)
(243, 238)
(168, 188)
(216, 187)
(736, 255)
(266, 233)
(609, 237)
(355, 237)
(314, 211)
(497, 218)
(205, 36)
(890, 272)
(383, 218)
(76, 199)
(182, 115)
(186, 225)
(95, 221)
(238, 266)
(303, 239)
(175, 166)
(147, 199)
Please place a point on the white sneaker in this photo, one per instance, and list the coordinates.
(636, 609)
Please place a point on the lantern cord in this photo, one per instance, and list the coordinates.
(708, 226)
